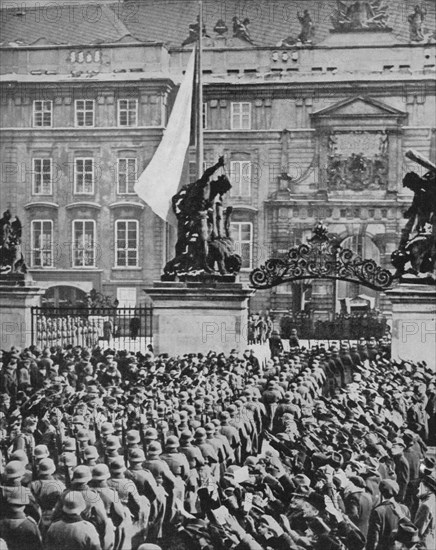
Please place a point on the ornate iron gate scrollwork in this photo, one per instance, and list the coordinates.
(321, 258)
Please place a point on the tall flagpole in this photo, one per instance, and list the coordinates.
(200, 152)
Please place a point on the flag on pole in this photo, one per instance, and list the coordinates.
(161, 179)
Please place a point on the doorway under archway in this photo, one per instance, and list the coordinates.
(64, 296)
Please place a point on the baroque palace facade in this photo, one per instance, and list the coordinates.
(312, 103)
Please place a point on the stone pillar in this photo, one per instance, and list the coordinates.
(414, 322)
(16, 301)
(192, 317)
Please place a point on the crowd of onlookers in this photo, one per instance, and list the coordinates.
(260, 327)
(321, 448)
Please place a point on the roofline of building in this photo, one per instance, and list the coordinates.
(320, 46)
(137, 43)
(179, 49)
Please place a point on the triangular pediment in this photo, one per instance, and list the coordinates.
(359, 106)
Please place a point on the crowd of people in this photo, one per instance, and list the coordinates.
(260, 327)
(319, 448)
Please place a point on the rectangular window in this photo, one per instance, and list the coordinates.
(126, 239)
(84, 114)
(242, 234)
(127, 112)
(42, 113)
(126, 170)
(42, 176)
(83, 243)
(240, 178)
(42, 243)
(241, 116)
(84, 176)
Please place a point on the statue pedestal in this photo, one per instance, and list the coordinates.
(17, 296)
(192, 317)
(414, 322)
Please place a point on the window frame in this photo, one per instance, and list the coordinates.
(35, 112)
(204, 115)
(127, 159)
(84, 110)
(250, 242)
(41, 172)
(119, 113)
(73, 247)
(33, 249)
(240, 104)
(233, 194)
(83, 159)
(126, 249)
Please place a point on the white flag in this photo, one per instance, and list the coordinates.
(160, 181)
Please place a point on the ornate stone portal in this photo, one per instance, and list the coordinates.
(358, 161)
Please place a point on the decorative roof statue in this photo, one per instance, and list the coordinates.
(370, 15)
(416, 254)
(416, 23)
(203, 228)
(194, 29)
(11, 257)
(240, 29)
(220, 27)
(307, 28)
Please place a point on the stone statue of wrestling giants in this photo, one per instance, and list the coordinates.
(11, 257)
(416, 254)
(203, 228)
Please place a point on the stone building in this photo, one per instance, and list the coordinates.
(312, 103)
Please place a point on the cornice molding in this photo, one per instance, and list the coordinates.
(41, 204)
(126, 204)
(83, 204)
